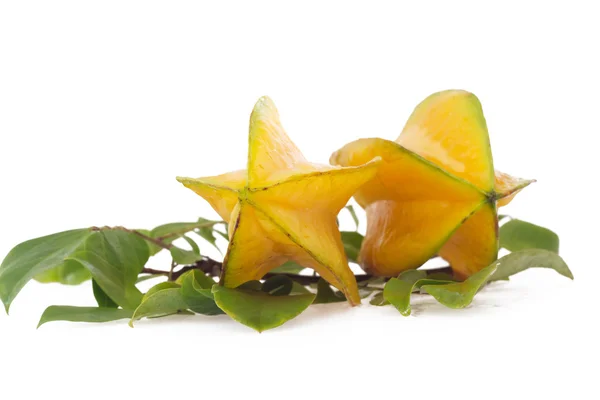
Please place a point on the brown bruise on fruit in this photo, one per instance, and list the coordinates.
(282, 207)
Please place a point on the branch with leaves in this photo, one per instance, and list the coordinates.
(115, 258)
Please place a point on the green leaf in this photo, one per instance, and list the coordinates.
(69, 273)
(350, 209)
(258, 310)
(181, 256)
(289, 267)
(325, 293)
(460, 294)
(378, 300)
(34, 257)
(168, 233)
(222, 234)
(397, 291)
(161, 286)
(516, 262)
(83, 314)
(143, 278)
(299, 289)
(196, 292)
(352, 242)
(278, 285)
(255, 286)
(206, 232)
(115, 258)
(153, 248)
(192, 244)
(518, 235)
(159, 304)
(101, 298)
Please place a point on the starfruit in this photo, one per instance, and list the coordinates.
(282, 207)
(436, 191)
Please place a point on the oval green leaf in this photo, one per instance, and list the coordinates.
(34, 257)
(114, 258)
(518, 235)
(181, 256)
(168, 233)
(289, 267)
(196, 291)
(159, 304)
(325, 293)
(279, 285)
(397, 291)
(460, 294)
(519, 261)
(102, 298)
(83, 314)
(69, 273)
(259, 310)
(352, 242)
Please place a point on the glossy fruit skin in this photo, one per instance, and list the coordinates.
(282, 207)
(436, 192)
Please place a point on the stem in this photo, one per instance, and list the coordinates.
(173, 264)
(213, 268)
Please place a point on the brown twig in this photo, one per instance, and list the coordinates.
(213, 268)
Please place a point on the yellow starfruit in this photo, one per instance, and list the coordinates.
(282, 207)
(436, 192)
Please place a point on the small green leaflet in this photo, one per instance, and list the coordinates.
(162, 301)
(207, 232)
(35, 257)
(350, 209)
(518, 235)
(352, 242)
(191, 291)
(143, 278)
(196, 291)
(113, 258)
(259, 310)
(192, 244)
(278, 285)
(325, 294)
(182, 257)
(516, 262)
(101, 298)
(460, 294)
(168, 233)
(68, 273)
(83, 314)
(378, 300)
(397, 291)
(159, 287)
(289, 267)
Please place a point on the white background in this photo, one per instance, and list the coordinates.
(102, 104)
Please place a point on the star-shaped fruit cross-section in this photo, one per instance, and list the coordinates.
(436, 192)
(283, 207)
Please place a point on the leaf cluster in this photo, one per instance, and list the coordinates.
(115, 258)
